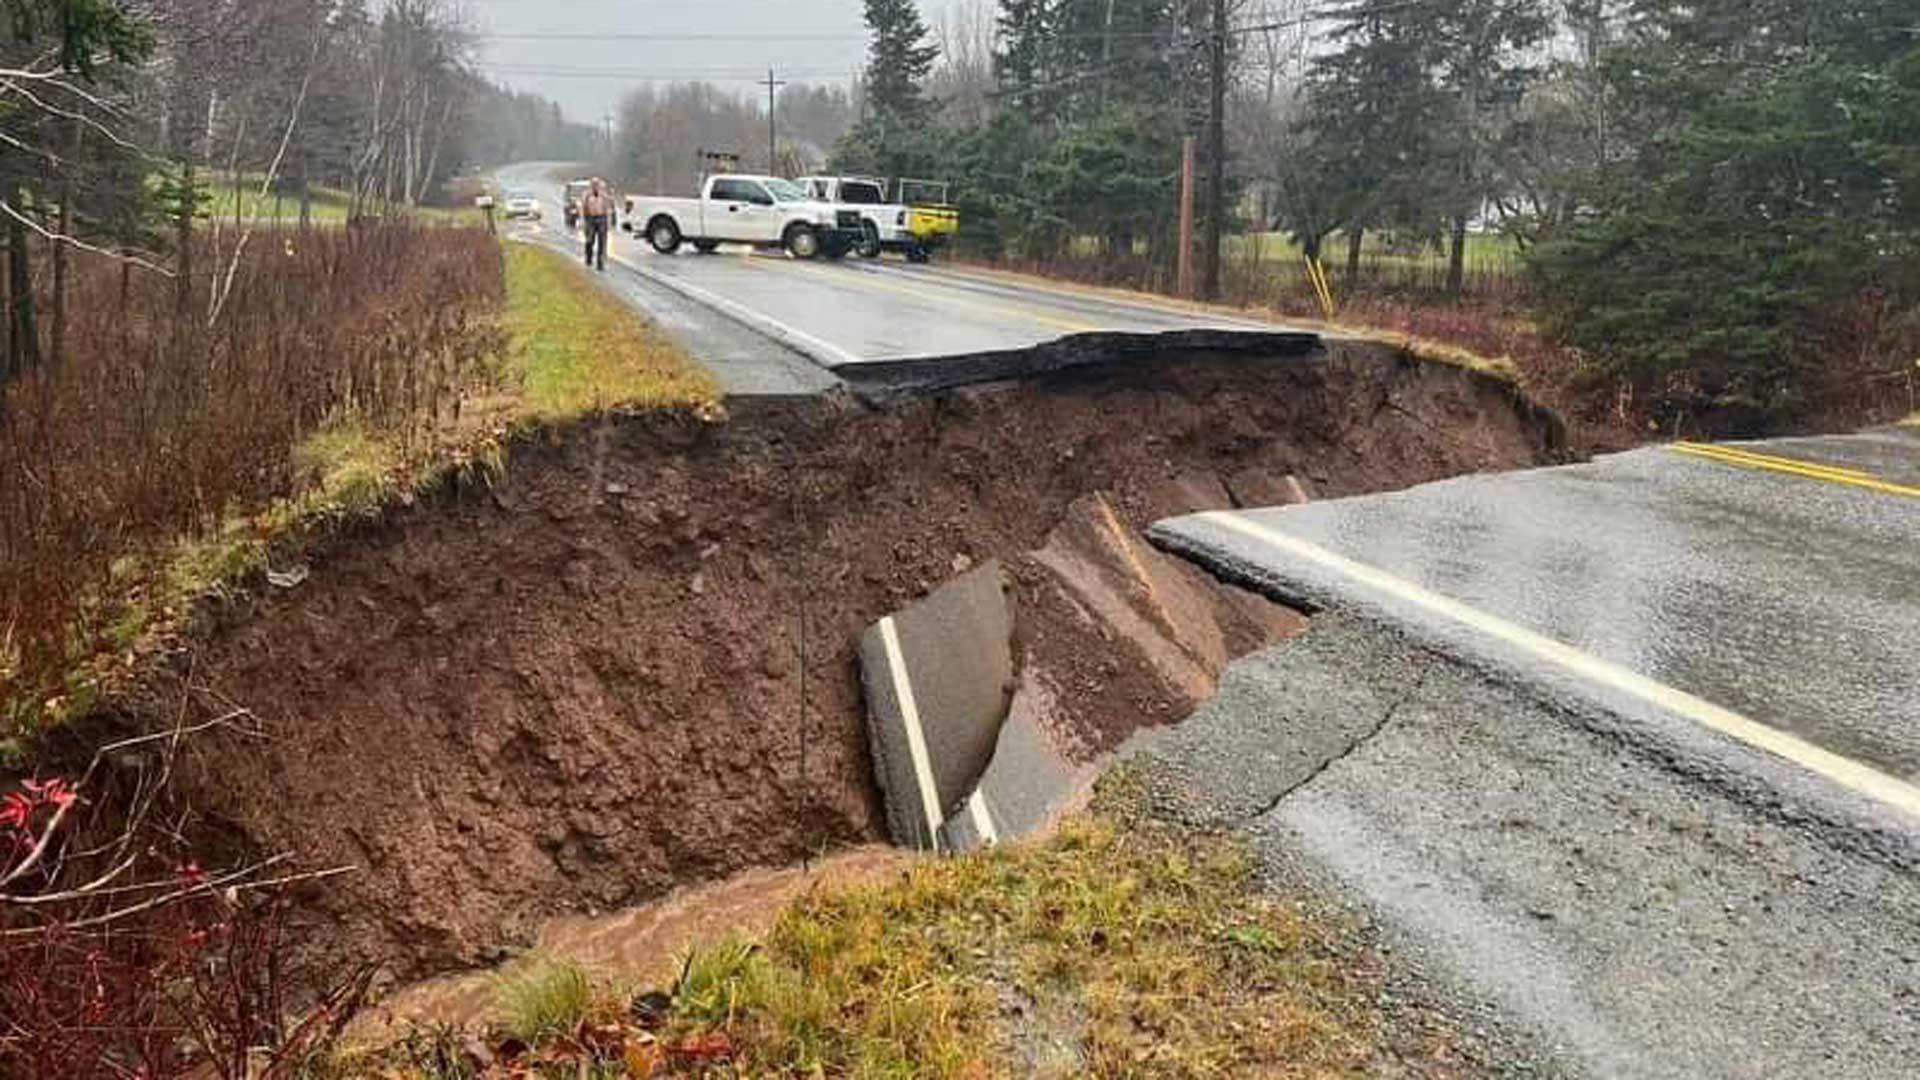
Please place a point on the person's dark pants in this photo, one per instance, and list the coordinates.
(596, 225)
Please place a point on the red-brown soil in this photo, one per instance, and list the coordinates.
(630, 665)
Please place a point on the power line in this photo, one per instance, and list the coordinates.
(1180, 36)
(653, 74)
(1332, 11)
(777, 39)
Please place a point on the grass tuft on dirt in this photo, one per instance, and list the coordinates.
(545, 999)
(1122, 946)
(577, 349)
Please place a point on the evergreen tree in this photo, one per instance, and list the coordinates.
(897, 137)
(898, 60)
(1374, 115)
(1024, 64)
(1483, 49)
(1766, 205)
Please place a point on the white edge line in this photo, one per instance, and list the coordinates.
(1853, 775)
(916, 739)
(982, 820)
(820, 352)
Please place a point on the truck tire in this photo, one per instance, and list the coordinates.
(869, 241)
(706, 247)
(917, 253)
(801, 241)
(664, 234)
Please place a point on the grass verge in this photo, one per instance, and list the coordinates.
(576, 349)
(1123, 946)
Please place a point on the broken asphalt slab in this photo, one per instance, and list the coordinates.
(993, 702)
(938, 677)
(885, 382)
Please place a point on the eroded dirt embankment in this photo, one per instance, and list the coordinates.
(585, 686)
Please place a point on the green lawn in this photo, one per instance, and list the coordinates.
(1485, 251)
(224, 197)
(330, 206)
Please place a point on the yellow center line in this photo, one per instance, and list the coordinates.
(930, 297)
(1855, 776)
(1810, 472)
(1798, 468)
(1773, 459)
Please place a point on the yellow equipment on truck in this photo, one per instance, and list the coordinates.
(932, 219)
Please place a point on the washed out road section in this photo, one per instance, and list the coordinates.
(1785, 597)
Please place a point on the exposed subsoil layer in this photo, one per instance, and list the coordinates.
(584, 686)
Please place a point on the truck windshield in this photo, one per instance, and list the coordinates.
(786, 190)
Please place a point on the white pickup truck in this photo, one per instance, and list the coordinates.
(733, 208)
(917, 222)
(883, 225)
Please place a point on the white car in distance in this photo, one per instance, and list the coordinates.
(735, 208)
(522, 204)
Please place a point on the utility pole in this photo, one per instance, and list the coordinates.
(1106, 54)
(1184, 264)
(773, 160)
(606, 119)
(1216, 152)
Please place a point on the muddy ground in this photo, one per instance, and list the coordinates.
(630, 664)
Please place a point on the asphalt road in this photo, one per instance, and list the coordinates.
(750, 315)
(1623, 752)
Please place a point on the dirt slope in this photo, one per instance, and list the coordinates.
(586, 686)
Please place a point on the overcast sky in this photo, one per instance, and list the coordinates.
(586, 53)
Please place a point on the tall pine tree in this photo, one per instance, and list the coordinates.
(1023, 66)
(1763, 213)
(896, 137)
(898, 60)
(1374, 117)
(1483, 48)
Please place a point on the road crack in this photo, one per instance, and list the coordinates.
(1372, 732)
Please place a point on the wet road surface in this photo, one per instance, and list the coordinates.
(1624, 752)
(1566, 890)
(750, 315)
(1748, 576)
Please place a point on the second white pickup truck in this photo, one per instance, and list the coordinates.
(734, 208)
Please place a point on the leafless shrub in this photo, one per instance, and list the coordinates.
(121, 956)
(152, 424)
